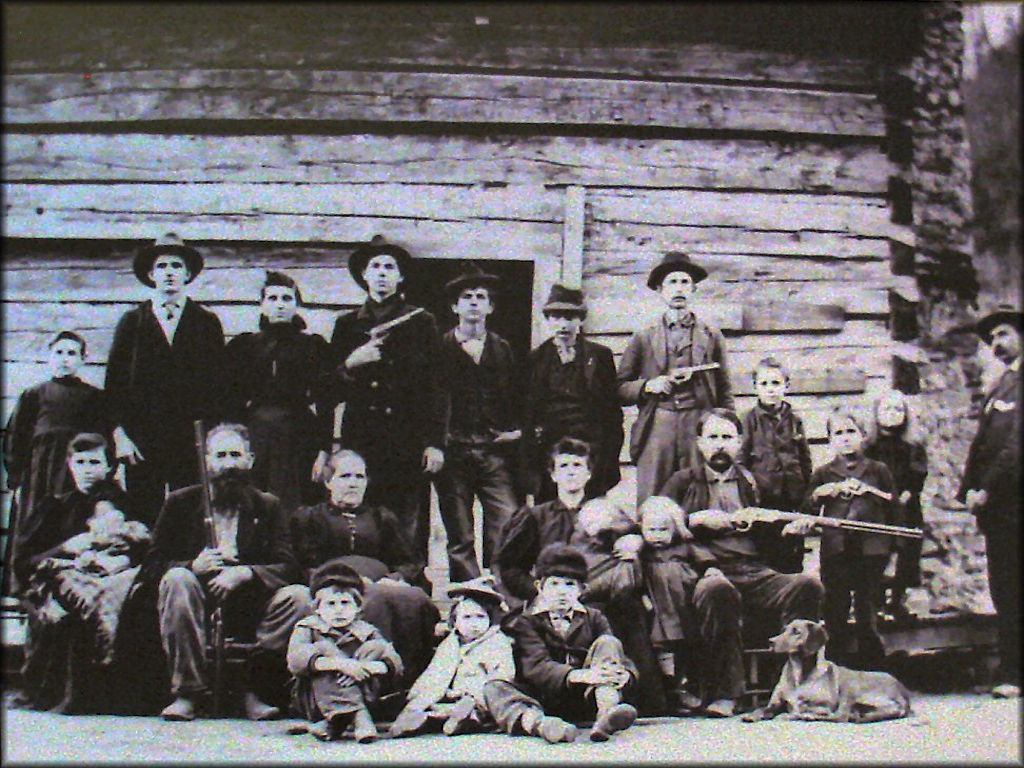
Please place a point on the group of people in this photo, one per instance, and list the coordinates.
(314, 548)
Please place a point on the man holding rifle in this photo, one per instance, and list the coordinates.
(741, 590)
(675, 370)
(385, 356)
(230, 551)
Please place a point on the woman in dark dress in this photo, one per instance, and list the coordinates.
(45, 419)
(369, 539)
(70, 632)
(275, 386)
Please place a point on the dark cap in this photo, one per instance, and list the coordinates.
(471, 277)
(561, 560)
(1003, 314)
(564, 299)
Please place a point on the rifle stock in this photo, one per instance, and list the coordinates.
(204, 479)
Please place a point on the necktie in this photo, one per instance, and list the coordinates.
(170, 310)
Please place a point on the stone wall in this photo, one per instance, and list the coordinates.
(949, 376)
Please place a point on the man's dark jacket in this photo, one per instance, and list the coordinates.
(993, 461)
(394, 408)
(156, 390)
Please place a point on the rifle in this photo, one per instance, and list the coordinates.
(749, 515)
(217, 617)
(685, 369)
(379, 332)
(851, 487)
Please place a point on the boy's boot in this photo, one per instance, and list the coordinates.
(612, 714)
(363, 728)
(460, 719)
(552, 729)
(409, 721)
(182, 709)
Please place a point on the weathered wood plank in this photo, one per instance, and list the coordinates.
(855, 297)
(48, 317)
(572, 236)
(251, 94)
(862, 216)
(610, 314)
(736, 267)
(359, 159)
(868, 335)
(610, 242)
(678, 44)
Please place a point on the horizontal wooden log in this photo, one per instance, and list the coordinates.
(361, 159)
(636, 264)
(612, 314)
(861, 216)
(48, 317)
(855, 335)
(673, 44)
(256, 94)
(855, 297)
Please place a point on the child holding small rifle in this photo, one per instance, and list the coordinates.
(852, 487)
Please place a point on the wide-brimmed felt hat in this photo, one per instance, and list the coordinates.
(561, 560)
(338, 574)
(471, 277)
(675, 261)
(169, 243)
(564, 299)
(376, 247)
(1004, 313)
(480, 589)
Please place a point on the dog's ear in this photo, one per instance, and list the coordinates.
(816, 636)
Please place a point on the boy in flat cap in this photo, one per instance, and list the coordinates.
(652, 374)
(991, 488)
(394, 406)
(478, 380)
(340, 662)
(571, 392)
(164, 372)
(571, 666)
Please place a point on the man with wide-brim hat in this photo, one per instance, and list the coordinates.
(478, 375)
(388, 381)
(653, 373)
(164, 372)
(571, 392)
(991, 487)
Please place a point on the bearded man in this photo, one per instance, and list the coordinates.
(249, 571)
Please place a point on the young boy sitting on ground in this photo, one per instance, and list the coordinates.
(570, 665)
(340, 662)
(475, 651)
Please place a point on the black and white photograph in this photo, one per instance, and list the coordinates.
(511, 382)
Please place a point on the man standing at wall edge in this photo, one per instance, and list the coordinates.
(991, 489)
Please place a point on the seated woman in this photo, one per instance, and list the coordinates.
(370, 540)
(77, 564)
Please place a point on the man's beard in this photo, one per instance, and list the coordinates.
(720, 461)
(228, 488)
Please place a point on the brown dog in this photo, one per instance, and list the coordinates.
(811, 688)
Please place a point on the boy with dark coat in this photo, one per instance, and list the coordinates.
(570, 665)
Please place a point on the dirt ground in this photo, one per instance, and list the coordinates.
(955, 728)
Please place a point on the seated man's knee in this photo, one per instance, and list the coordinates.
(605, 647)
(179, 579)
(715, 590)
(294, 596)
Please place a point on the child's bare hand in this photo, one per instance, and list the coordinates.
(353, 669)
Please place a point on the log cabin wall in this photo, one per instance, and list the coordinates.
(584, 139)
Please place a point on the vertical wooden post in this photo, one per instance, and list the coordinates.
(572, 236)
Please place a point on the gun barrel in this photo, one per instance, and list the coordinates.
(204, 479)
(385, 327)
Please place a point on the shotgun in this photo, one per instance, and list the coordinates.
(217, 617)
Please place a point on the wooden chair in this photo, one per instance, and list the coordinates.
(223, 651)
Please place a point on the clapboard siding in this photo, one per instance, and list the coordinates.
(698, 163)
(450, 97)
